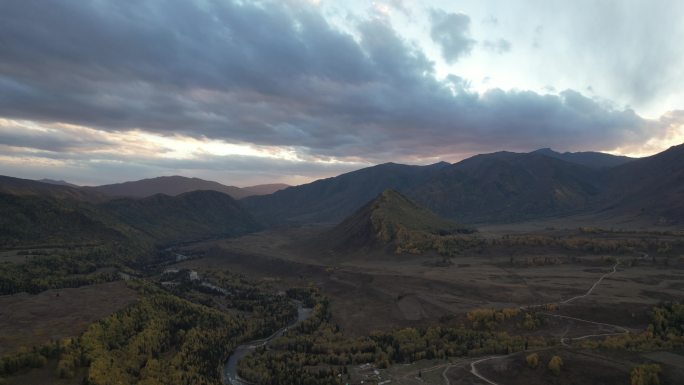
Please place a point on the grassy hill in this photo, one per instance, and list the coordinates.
(391, 220)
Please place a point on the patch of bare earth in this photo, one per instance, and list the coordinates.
(28, 320)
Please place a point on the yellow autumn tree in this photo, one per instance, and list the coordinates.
(555, 364)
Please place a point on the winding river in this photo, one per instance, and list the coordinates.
(230, 376)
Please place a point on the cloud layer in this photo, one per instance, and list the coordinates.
(273, 74)
(452, 32)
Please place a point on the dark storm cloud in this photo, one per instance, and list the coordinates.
(274, 74)
(452, 32)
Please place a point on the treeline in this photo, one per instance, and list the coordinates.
(591, 244)
(453, 245)
(665, 332)
(59, 269)
(316, 352)
(447, 245)
(36, 357)
(512, 318)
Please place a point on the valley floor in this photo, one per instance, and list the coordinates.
(569, 299)
(372, 291)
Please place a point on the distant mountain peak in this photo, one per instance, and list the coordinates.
(441, 164)
(591, 159)
(265, 189)
(57, 182)
(174, 185)
(545, 150)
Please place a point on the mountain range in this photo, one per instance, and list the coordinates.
(167, 185)
(488, 188)
(175, 185)
(498, 187)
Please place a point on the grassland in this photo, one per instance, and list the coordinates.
(27, 320)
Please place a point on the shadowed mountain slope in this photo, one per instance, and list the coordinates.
(504, 186)
(331, 200)
(36, 219)
(495, 187)
(189, 216)
(651, 187)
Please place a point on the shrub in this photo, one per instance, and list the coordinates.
(555, 364)
(532, 360)
(646, 375)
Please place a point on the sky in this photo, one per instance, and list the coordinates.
(243, 92)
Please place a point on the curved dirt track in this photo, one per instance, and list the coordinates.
(623, 330)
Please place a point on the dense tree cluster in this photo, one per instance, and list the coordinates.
(164, 338)
(448, 245)
(24, 358)
(58, 269)
(316, 352)
(29, 219)
(222, 289)
(494, 319)
(592, 242)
